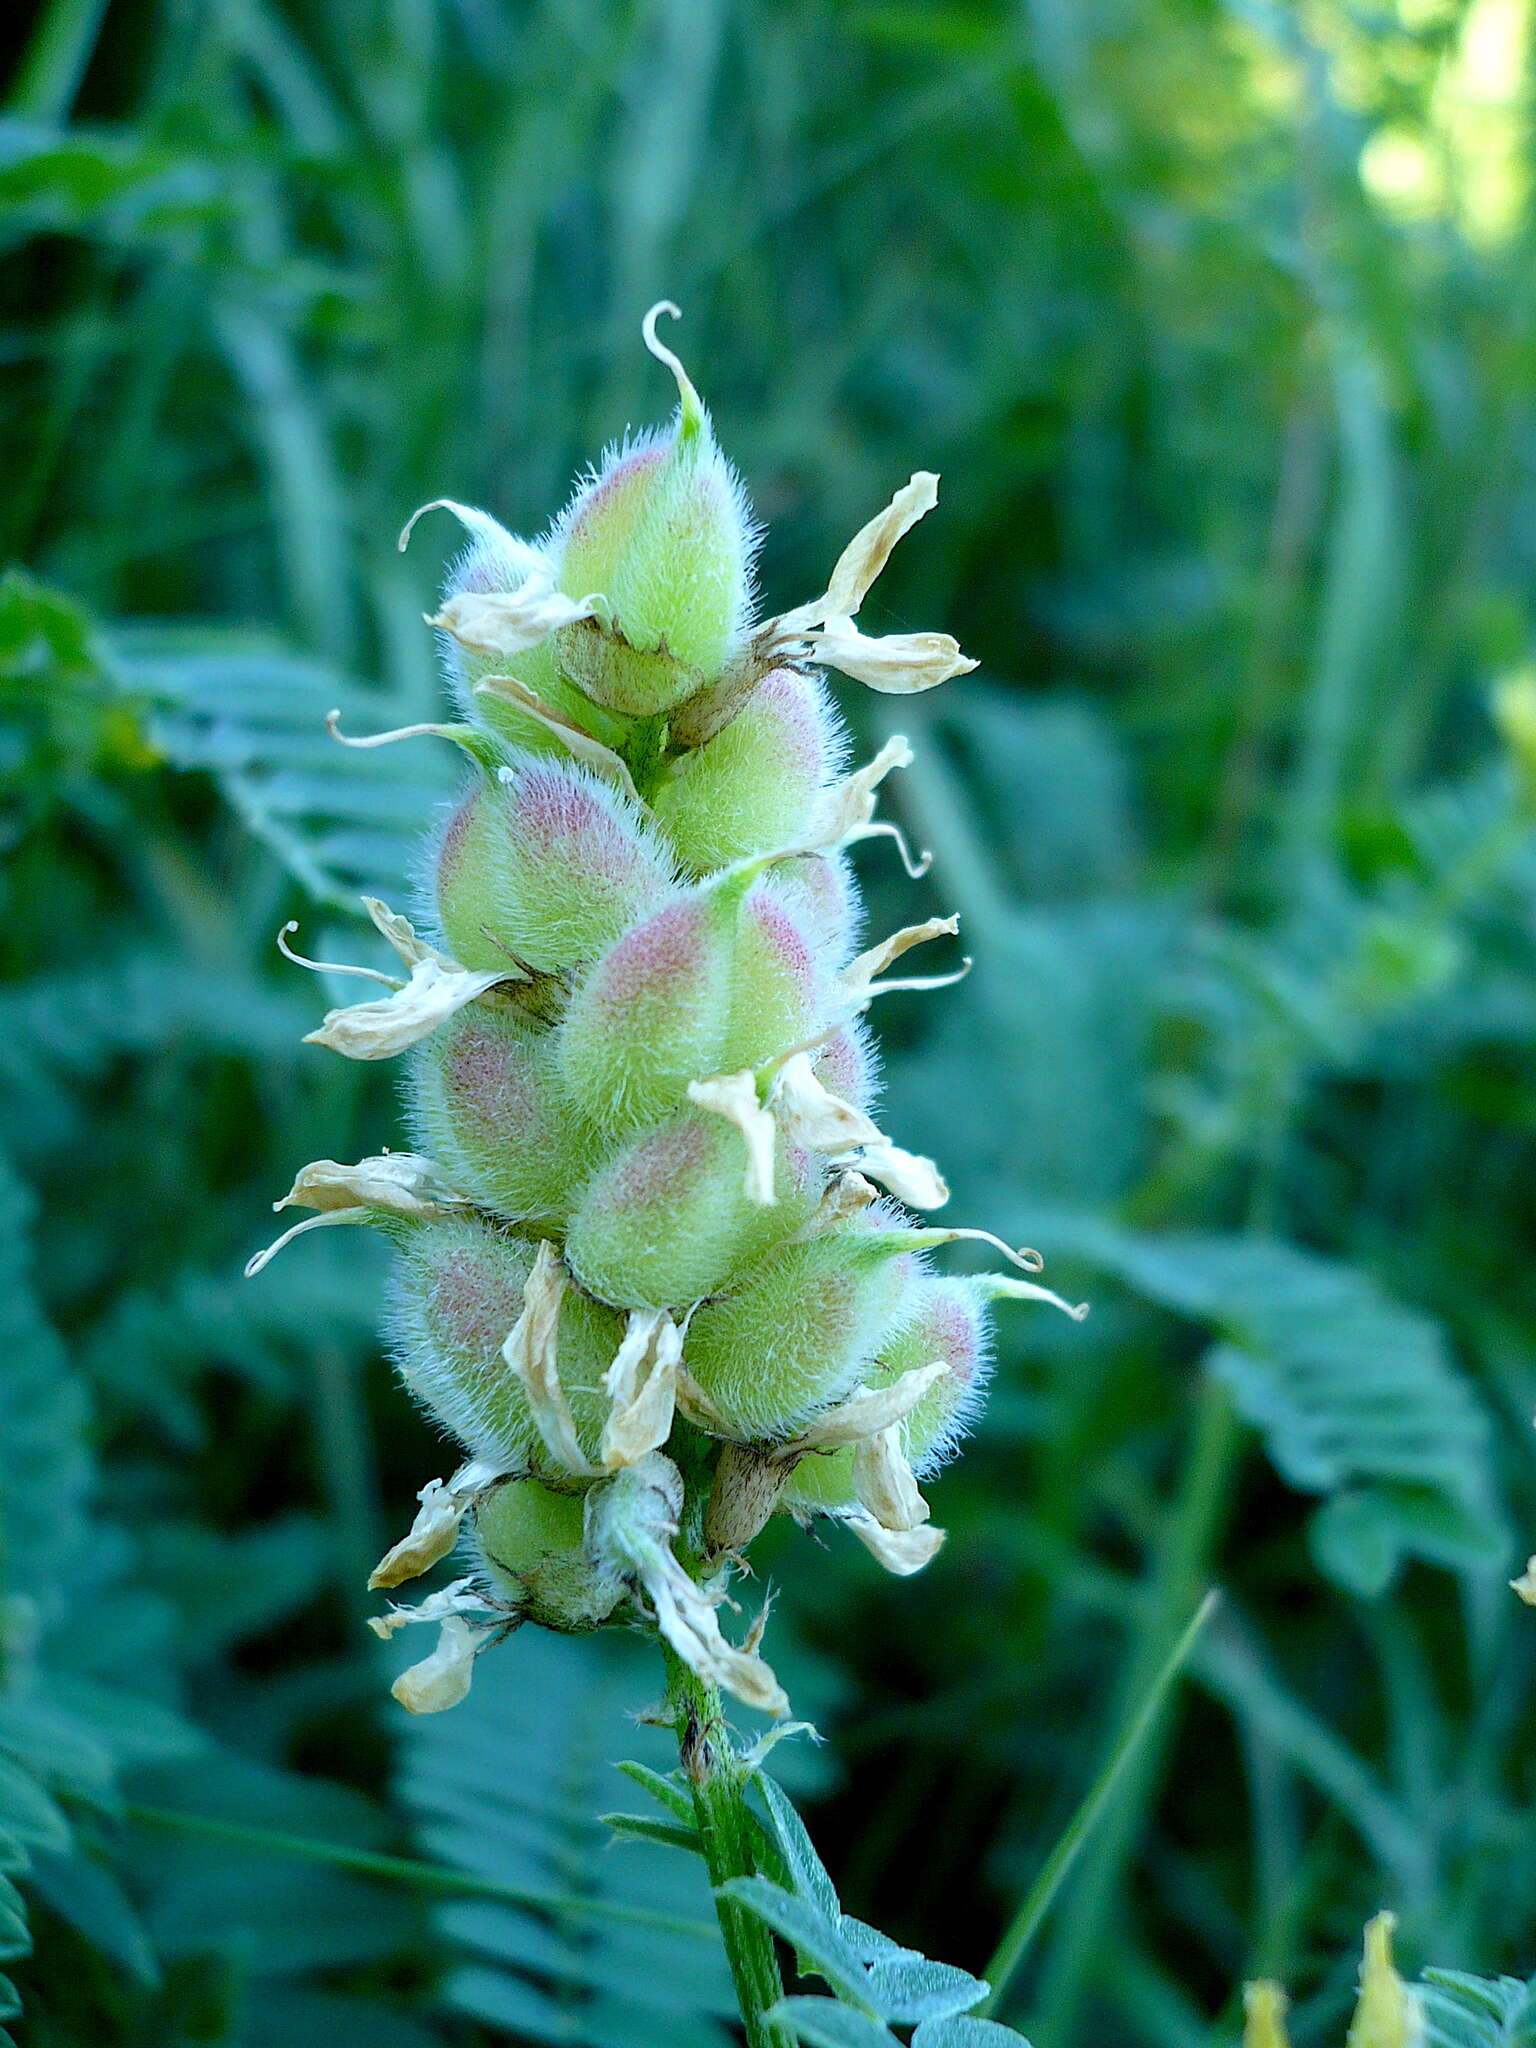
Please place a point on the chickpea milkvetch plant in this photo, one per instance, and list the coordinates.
(656, 1266)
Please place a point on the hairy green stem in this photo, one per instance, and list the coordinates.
(718, 1781)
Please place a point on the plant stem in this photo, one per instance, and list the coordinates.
(726, 1827)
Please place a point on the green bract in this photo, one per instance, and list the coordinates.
(644, 1274)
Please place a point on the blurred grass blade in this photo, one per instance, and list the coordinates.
(50, 73)
(408, 1870)
(1037, 1901)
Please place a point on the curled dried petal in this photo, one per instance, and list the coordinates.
(502, 624)
(642, 1382)
(734, 1096)
(399, 1183)
(578, 743)
(442, 1680)
(883, 1481)
(436, 1528)
(869, 1411)
(902, 1551)
(459, 1598)
(532, 1355)
(436, 991)
(858, 977)
(896, 664)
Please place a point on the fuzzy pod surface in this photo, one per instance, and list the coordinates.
(638, 1251)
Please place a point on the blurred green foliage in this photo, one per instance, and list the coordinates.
(1217, 317)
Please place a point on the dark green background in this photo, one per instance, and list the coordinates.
(1217, 320)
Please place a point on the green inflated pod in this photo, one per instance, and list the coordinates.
(456, 1291)
(666, 1220)
(943, 1320)
(530, 1543)
(796, 1336)
(546, 866)
(491, 1111)
(650, 1015)
(820, 889)
(778, 996)
(848, 1065)
(752, 787)
(662, 532)
(496, 561)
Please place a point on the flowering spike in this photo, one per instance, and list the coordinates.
(653, 1183)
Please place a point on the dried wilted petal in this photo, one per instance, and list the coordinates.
(860, 973)
(901, 1551)
(883, 1481)
(734, 1096)
(897, 663)
(502, 624)
(436, 1527)
(392, 1184)
(635, 1520)
(590, 752)
(1264, 2009)
(443, 1679)
(378, 1030)
(532, 1355)
(400, 1183)
(869, 1412)
(810, 1114)
(459, 1598)
(843, 813)
(642, 1382)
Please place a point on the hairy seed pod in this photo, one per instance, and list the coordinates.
(530, 1544)
(663, 533)
(849, 1065)
(665, 1221)
(491, 1111)
(497, 561)
(776, 993)
(752, 787)
(457, 1289)
(796, 1335)
(821, 890)
(941, 1320)
(548, 868)
(650, 1015)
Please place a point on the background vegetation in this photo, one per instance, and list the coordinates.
(1217, 317)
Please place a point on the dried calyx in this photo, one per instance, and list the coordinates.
(655, 1270)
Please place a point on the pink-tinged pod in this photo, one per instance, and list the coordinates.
(456, 1291)
(825, 897)
(777, 988)
(798, 1333)
(547, 867)
(848, 1065)
(650, 1015)
(663, 534)
(491, 1112)
(666, 1220)
(942, 1320)
(531, 1544)
(752, 787)
(497, 562)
